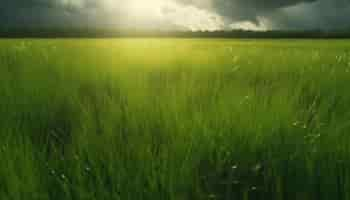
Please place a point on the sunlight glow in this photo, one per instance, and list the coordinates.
(145, 9)
(247, 25)
(164, 14)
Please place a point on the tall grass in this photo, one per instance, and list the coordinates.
(174, 119)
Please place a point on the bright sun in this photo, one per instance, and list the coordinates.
(145, 9)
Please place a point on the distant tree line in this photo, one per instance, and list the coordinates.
(108, 33)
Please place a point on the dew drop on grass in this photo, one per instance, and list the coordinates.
(257, 167)
(235, 182)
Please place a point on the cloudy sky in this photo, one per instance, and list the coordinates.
(177, 14)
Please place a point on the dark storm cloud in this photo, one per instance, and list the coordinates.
(57, 14)
(238, 10)
(251, 9)
(16, 5)
(282, 14)
(322, 14)
(27, 13)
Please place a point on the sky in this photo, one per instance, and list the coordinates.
(192, 15)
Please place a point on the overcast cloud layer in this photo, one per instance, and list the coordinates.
(177, 14)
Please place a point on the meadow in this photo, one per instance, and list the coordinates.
(175, 119)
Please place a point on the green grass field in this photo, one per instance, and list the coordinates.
(177, 119)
